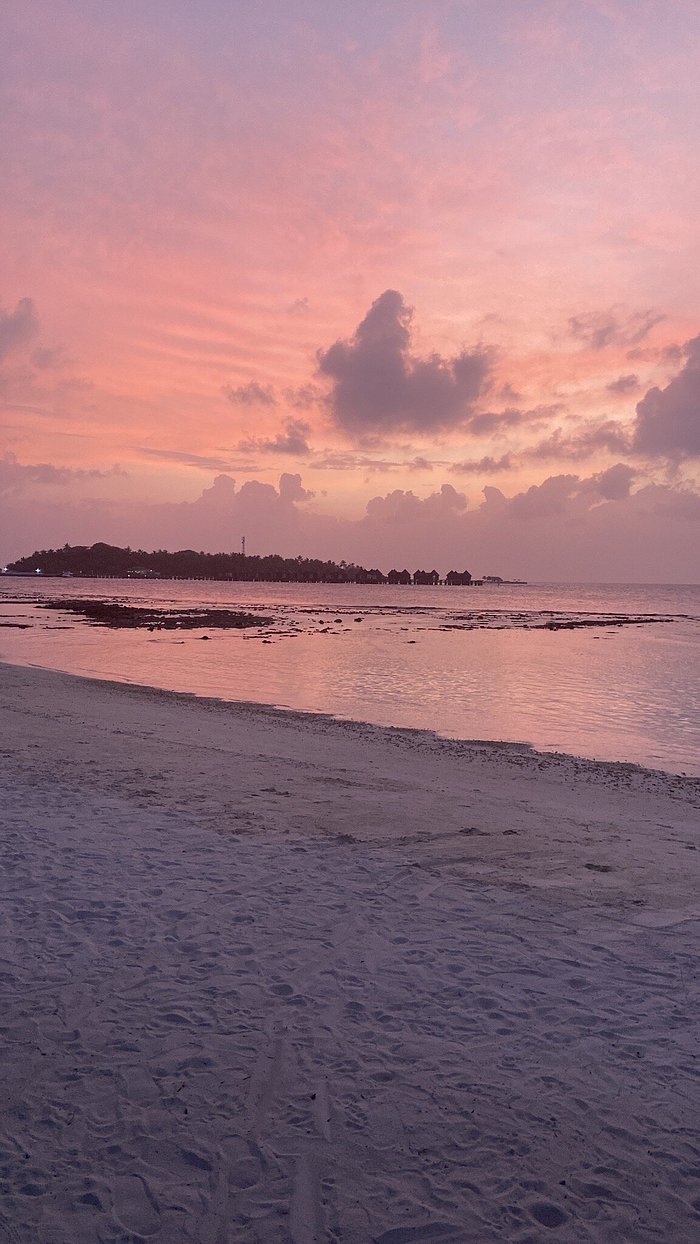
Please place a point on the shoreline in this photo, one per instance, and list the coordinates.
(500, 747)
(610, 694)
(270, 976)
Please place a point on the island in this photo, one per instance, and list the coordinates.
(109, 561)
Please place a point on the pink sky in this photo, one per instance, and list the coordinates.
(440, 260)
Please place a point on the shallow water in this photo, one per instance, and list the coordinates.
(465, 662)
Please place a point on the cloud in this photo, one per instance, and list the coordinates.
(348, 460)
(344, 460)
(48, 359)
(291, 491)
(568, 528)
(546, 500)
(572, 495)
(220, 493)
(489, 422)
(615, 483)
(294, 440)
(380, 386)
(656, 354)
(203, 462)
(484, 466)
(300, 306)
(251, 394)
(507, 393)
(596, 330)
(251, 499)
(272, 519)
(303, 397)
(399, 505)
(15, 476)
(592, 437)
(668, 420)
(623, 385)
(17, 327)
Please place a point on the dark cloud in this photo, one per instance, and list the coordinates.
(508, 394)
(379, 386)
(484, 466)
(300, 306)
(489, 422)
(623, 385)
(16, 475)
(293, 440)
(591, 438)
(596, 330)
(303, 397)
(668, 420)
(251, 394)
(17, 327)
(615, 483)
(652, 354)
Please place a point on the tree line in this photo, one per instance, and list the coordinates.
(109, 561)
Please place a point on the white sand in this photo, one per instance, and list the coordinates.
(267, 977)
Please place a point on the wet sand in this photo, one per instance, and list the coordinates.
(271, 977)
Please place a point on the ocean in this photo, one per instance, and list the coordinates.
(609, 672)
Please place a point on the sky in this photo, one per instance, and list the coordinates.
(407, 282)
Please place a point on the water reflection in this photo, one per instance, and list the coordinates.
(623, 694)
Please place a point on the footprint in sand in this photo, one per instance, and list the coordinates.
(140, 1086)
(547, 1214)
(135, 1206)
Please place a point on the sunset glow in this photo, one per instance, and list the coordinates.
(422, 279)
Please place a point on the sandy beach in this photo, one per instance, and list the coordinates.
(269, 977)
